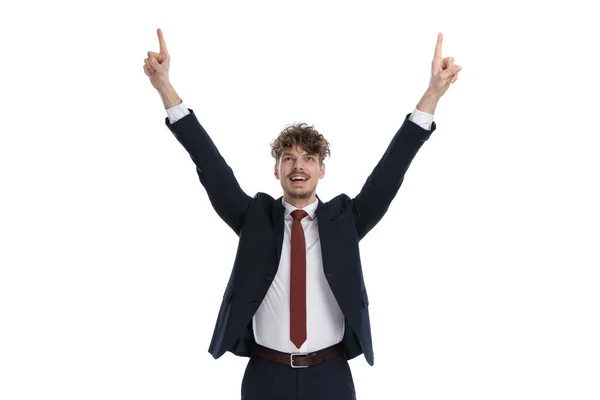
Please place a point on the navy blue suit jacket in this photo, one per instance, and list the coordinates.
(259, 223)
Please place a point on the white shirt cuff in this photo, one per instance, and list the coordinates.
(423, 119)
(177, 112)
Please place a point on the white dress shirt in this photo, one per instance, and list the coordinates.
(324, 318)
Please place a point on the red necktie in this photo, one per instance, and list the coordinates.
(298, 281)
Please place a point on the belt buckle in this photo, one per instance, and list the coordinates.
(292, 360)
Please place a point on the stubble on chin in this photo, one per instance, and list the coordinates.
(299, 195)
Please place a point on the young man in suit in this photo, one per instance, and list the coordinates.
(296, 303)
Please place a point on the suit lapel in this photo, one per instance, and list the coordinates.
(277, 218)
(318, 205)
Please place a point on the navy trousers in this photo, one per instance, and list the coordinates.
(268, 380)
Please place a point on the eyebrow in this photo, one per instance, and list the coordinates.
(290, 154)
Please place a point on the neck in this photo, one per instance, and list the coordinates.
(300, 203)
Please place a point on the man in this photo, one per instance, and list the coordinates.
(296, 302)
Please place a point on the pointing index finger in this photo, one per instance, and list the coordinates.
(438, 47)
(161, 41)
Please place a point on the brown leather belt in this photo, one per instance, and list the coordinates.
(299, 360)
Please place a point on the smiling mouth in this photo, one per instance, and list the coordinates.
(298, 182)
(295, 178)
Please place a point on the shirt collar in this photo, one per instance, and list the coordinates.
(310, 209)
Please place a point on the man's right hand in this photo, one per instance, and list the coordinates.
(157, 65)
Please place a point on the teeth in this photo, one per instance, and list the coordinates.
(297, 178)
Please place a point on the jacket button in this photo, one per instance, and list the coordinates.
(254, 304)
(269, 278)
(330, 274)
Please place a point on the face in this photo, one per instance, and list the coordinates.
(297, 162)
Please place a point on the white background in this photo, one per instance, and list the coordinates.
(483, 276)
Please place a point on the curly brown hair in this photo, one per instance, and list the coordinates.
(304, 135)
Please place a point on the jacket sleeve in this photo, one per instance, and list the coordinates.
(376, 195)
(224, 192)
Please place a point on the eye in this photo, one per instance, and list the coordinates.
(310, 158)
(286, 158)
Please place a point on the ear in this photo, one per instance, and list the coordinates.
(322, 171)
(275, 171)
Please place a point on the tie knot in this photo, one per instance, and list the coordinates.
(299, 214)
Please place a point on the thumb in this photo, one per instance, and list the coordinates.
(154, 62)
(155, 55)
(447, 62)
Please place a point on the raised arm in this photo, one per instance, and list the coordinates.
(225, 194)
(373, 201)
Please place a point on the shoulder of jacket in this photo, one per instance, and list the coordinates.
(260, 196)
(341, 199)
